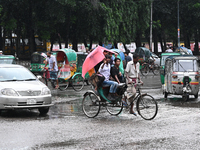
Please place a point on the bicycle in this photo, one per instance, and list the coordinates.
(146, 105)
(92, 103)
(147, 66)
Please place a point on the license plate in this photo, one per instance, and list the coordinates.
(31, 101)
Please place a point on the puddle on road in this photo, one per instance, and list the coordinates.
(179, 102)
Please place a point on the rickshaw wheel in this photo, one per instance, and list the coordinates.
(145, 70)
(114, 108)
(156, 69)
(91, 105)
(78, 82)
(196, 96)
(63, 85)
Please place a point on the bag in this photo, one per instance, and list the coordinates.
(96, 79)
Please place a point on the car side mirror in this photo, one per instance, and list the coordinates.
(39, 77)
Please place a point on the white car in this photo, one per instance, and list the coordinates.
(20, 89)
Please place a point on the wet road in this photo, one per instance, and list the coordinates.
(176, 125)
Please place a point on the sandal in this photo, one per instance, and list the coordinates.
(132, 112)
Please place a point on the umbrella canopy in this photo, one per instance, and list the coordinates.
(120, 53)
(93, 59)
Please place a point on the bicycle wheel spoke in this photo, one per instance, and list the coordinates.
(91, 105)
(147, 107)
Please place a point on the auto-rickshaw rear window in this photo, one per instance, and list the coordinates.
(185, 66)
(37, 59)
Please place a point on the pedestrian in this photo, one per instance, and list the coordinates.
(127, 58)
(169, 50)
(132, 75)
(51, 60)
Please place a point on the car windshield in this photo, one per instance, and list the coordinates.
(7, 61)
(16, 74)
(185, 66)
(163, 60)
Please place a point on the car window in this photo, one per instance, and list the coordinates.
(15, 74)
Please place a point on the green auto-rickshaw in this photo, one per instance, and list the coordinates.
(7, 59)
(38, 62)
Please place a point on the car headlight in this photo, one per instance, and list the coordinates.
(9, 92)
(45, 91)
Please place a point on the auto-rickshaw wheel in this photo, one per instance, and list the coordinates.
(185, 97)
(196, 96)
(165, 94)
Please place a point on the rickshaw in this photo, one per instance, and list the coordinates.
(38, 62)
(81, 57)
(146, 64)
(162, 65)
(94, 100)
(181, 76)
(67, 66)
(7, 59)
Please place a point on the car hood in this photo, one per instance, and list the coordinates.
(23, 85)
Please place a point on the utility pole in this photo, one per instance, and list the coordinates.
(178, 24)
(150, 46)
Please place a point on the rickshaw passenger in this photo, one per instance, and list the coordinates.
(99, 64)
(53, 67)
(105, 71)
(115, 73)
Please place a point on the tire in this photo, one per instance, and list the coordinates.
(78, 82)
(145, 70)
(196, 96)
(91, 105)
(165, 94)
(43, 110)
(147, 107)
(115, 108)
(63, 85)
(156, 69)
(185, 97)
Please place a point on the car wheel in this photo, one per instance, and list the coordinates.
(43, 110)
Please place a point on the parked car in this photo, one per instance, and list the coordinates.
(20, 89)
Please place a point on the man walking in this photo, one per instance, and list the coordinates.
(51, 60)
